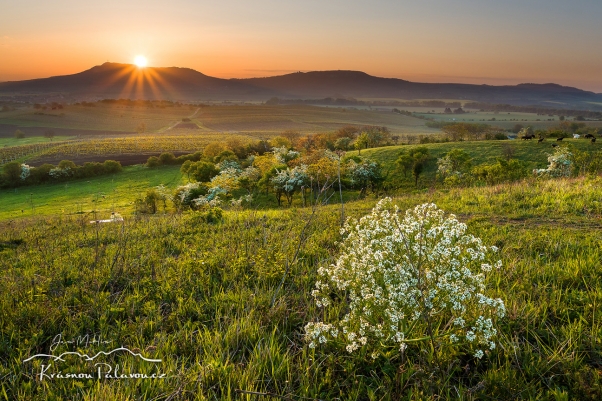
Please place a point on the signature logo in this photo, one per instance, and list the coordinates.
(99, 370)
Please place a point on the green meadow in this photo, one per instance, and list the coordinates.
(96, 196)
(219, 299)
(217, 304)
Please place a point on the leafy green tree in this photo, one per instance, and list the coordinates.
(452, 166)
(225, 155)
(364, 174)
(112, 166)
(185, 169)
(153, 161)
(413, 161)
(404, 162)
(12, 172)
(167, 158)
(67, 164)
(343, 143)
(19, 134)
(420, 156)
(49, 134)
(362, 141)
(203, 171)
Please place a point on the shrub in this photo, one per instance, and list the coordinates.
(66, 164)
(404, 280)
(213, 149)
(561, 164)
(153, 161)
(502, 171)
(149, 204)
(12, 172)
(167, 158)
(41, 174)
(211, 216)
(185, 194)
(225, 155)
(112, 166)
(91, 169)
(203, 171)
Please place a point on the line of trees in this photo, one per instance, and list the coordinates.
(16, 174)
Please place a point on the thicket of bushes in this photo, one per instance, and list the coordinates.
(15, 174)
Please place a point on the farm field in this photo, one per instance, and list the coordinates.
(100, 149)
(244, 118)
(206, 299)
(275, 119)
(503, 120)
(101, 117)
(32, 140)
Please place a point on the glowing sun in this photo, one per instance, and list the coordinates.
(140, 61)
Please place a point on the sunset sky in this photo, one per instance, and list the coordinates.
(472, 41)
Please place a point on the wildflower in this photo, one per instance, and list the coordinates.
(396, 271)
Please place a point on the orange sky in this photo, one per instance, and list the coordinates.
(433, 41)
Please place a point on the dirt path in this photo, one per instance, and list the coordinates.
(177, 122)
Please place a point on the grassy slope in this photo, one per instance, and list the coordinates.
(121, 189)
(201, 294)
(103, 194)
(533, 153)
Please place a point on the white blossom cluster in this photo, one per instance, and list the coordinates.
(401, 279)
(58, 172)
(25, 171)
(291, 179)
(228, 164)
(560, 164)
(445, 166)
(229, 178)
(363, 172)
(237, 203)
(284, 155)
(184, 192)
(211, 199)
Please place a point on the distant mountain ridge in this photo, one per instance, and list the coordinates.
(114, 80)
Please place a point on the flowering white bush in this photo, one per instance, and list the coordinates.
(184, 193)
(445, 166)
(284, 155)
(228, 164)
(25, 171)
(400, 280)
(58, 172)
(291, 179)
(561, 164)
(237, 203)
(211, 199)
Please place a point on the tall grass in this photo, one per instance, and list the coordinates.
(199, 297)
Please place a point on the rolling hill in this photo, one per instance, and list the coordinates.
(113, 80)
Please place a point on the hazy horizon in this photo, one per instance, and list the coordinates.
(476, 42)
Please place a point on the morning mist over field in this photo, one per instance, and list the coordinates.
(481, 42)
(300, 200)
